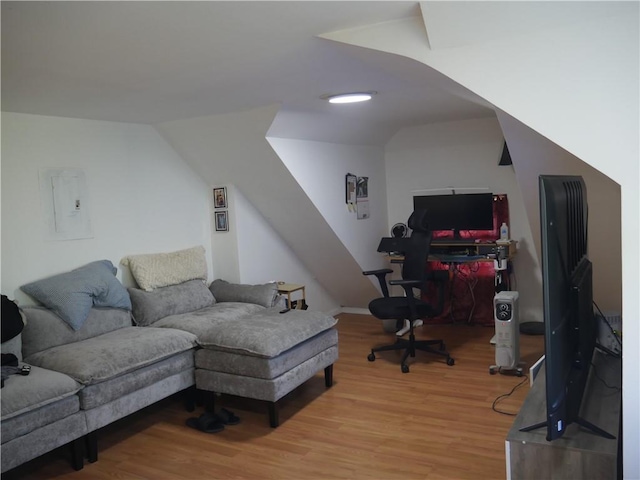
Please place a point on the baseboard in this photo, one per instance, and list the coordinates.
(339, 310)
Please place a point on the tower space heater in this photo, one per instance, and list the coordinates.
(507, 337)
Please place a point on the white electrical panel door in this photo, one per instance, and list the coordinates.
(65, 204)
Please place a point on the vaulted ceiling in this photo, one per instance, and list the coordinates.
(153, 62)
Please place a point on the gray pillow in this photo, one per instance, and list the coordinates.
(264, 294)
(71, 295)
(149, 307)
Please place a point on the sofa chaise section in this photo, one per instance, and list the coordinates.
(267, 356)
(248, 348)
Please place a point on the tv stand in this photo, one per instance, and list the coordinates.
(582, 452)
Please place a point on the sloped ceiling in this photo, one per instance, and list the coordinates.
(154, 62)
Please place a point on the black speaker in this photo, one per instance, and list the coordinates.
(505, 159)
(399, 230)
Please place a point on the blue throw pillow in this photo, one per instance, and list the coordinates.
(71, 295)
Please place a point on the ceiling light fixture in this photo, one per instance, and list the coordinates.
(349, 97)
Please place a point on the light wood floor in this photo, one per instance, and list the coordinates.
(435, 422)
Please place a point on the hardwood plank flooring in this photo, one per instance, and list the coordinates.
(435, 422)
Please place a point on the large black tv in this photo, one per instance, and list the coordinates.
(569, 320)
(466, 211)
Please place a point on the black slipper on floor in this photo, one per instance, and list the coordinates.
(207, 422)
(227, 417)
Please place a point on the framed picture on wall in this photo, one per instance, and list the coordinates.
(220, 197)
(363, 188)
(222, 221)
(350, 188)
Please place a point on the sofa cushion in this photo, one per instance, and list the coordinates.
(271, 389)
(149, 307)
(259, 367)
(155, 270)
(264, 294)
(266, 333)
(71, 295)
(41, 387)
(207, 319)
(33, 419)
(93, 396)
(45, 329)
(115, 353)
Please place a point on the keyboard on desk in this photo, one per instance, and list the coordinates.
(452, 241)
(392, 244)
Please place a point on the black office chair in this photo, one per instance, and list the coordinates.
(408, 307)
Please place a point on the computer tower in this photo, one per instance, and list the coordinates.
(507, 334)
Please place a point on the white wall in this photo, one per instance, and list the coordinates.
(534, 155)
(144, 198)
(463, 154)
(224, 245)
(234, 149)
(264, 256)
(320, 169)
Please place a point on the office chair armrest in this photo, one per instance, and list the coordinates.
(408, 286)
(378, 272)
(381, 275)
(408, 283)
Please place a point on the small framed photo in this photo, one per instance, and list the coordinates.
(351, 182)
(363, 187)
(222, 221)
(220, 197)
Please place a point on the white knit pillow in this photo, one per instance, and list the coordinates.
(156, 270)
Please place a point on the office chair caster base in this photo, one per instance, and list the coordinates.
(371, 357)
(450, 361)
(404, 368)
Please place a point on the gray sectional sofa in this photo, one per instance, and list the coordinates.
(222, 338)
(83, 380)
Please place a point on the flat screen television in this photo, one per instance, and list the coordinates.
(467, 211)
(569, 320)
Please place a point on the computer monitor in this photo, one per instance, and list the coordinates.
(467, 211)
